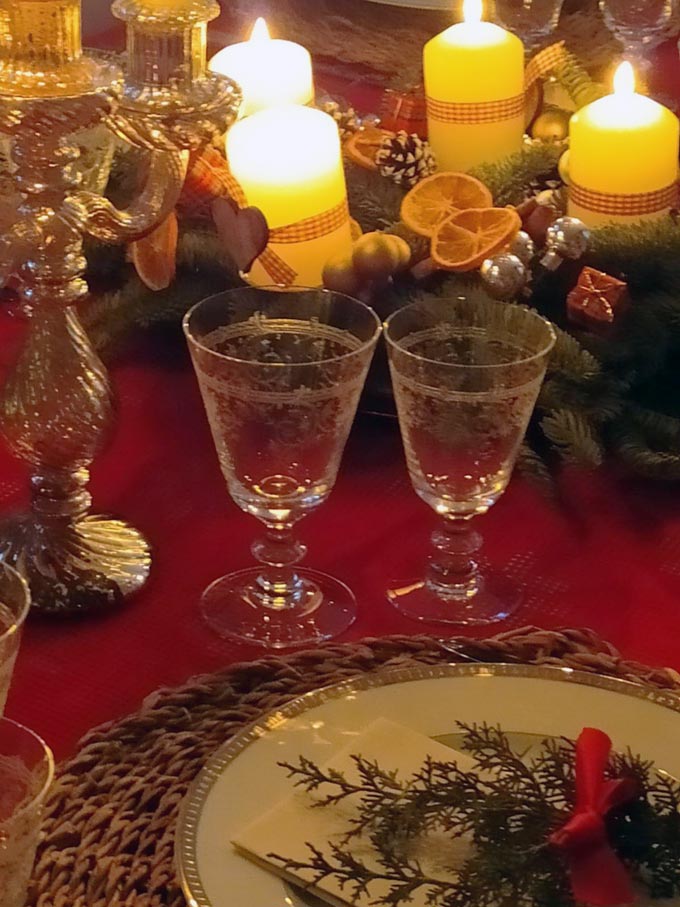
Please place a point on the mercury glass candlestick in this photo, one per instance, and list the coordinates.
(56, 410)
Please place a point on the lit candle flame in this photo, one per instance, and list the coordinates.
(624, 79)
(472, 10)
(260, 31)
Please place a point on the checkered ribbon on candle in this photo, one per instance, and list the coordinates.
(303, 231)
(632, 205)
(504, 109)
(473, 113)
(543, 63)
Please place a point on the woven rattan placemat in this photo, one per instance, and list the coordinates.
(110, 823)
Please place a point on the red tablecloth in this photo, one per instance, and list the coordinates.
(605, 553)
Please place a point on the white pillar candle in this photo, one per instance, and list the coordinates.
(288, 161)
(269, 71)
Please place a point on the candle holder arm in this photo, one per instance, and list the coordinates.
(100, 218)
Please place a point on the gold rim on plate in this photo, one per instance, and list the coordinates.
(190, 813)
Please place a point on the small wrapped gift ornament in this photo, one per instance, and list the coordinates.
(404, 111)
(596, 300)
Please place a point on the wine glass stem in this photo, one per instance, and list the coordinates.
(453, 572)
(279, 586)
(635, 52)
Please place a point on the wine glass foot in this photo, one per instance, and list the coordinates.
(496, 600)
(232, 609)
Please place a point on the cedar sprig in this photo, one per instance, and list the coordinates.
(506, 808)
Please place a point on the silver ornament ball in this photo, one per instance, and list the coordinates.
(568, 237)
(504, 276)
(523, 247)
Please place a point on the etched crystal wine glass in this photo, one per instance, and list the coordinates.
(466, 375)
(532, 20)
(15, 601)
(26, 773)
(638, 24)
(281, 374)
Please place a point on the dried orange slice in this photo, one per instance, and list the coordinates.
(362, 147)
(155, 256)
(437, 197)
(464, 241)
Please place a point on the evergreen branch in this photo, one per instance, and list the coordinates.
(506, 807)
(640, 446)
(375, 202)
(574, 436)
(570, 358)
(403, 878)
(534, 469)
(509, 178)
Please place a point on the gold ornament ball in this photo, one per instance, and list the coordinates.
(404, 251)
(377, 256)
(340, 276)
(552, 125)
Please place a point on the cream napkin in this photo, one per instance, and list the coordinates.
(286, 829)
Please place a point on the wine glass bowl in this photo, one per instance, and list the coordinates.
(532, 20)
(638, 24)
(281, 374)
(466, 376)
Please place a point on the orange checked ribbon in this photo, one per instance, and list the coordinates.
(633, 205)
(281, 273)
(506, 108)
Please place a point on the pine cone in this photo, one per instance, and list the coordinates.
(405, 159)
(346, 118)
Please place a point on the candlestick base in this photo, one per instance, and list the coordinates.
(76, 567)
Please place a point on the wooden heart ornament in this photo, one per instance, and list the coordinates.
(244, 232)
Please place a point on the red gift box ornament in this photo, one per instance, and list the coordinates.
(596, 300)
(598, 877)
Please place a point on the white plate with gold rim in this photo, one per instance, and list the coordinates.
(243, 779)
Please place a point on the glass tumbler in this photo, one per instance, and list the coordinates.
(14, 606)
(466, 376)
(281, 374)
(26, 772)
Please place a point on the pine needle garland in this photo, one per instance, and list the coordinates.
(596, 387)
(508, 179)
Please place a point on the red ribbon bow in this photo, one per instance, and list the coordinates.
(598, 877)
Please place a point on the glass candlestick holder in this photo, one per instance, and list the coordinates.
(57, 409)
